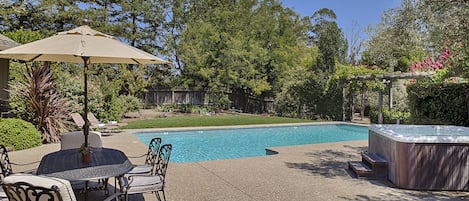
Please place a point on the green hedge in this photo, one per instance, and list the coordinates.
(18, 134)
(390, 116)
(442, 103)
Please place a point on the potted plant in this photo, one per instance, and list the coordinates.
(85, 152)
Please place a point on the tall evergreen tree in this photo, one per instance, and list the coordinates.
(329, 38)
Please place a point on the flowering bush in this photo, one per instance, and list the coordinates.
(431, 64)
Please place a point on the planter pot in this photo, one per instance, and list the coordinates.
(86, 157)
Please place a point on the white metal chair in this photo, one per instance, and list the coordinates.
(40, 188)
(31, 187)
(74, 140)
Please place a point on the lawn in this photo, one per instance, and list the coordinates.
(204, 120)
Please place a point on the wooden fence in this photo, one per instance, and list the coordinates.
(167, 96)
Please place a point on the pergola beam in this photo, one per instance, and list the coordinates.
(390, 76)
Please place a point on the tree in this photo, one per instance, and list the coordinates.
(356, 44)
(447, 25)
(329, 38)
(243, 47)
(397, 41)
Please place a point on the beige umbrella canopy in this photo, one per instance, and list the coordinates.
(81, 45)
(6, 43)
(73, 45)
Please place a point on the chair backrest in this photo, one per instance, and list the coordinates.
(78, 119)
(153, 151)
(39, 188)
(163, 160)
(74, 140)
(93, 120)
(5, 164)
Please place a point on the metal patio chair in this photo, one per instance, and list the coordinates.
(5, 167)
(150, 161)
(5, 164)
(23, 187)
(133, 184)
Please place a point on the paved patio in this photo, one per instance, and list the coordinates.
(307, 172)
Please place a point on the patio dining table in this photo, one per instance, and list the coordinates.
(67, 164)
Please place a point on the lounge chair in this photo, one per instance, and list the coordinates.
(95, 124)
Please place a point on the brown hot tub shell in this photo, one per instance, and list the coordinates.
(423, 166)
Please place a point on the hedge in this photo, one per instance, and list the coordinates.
(18, 134)
(390, 116)
(441, 103)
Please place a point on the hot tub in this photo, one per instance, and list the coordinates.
(423, 157)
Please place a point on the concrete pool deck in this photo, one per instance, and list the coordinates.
(306, 172)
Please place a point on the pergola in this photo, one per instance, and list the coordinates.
(388, 80)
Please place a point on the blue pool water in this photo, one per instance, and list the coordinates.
(204, 145)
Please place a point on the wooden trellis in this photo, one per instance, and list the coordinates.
(387, 79)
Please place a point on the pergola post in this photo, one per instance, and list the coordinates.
(390, 93)
(351, 102)
(380, 107)
(343, 103)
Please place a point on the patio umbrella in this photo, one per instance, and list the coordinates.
(81, 45)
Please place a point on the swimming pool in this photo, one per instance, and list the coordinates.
(204, 145)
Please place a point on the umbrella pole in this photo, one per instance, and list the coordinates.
(86, 126)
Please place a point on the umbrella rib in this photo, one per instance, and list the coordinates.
(136, 61)
(34, 58)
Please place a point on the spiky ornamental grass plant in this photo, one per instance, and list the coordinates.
(48, 110)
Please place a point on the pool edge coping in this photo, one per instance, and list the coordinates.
(145, 130)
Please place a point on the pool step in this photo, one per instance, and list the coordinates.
(372, 165)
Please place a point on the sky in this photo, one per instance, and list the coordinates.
(350, 13)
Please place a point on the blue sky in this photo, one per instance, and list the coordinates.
(349, 12)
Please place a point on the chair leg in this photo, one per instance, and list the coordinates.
(157, 193)
(158, 196)
(86, 190)
(105, 184)
(164, 196)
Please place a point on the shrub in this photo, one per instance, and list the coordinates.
(185, 108)
(18, 134)
(130, 103)
(438, 103)
(45, 107)
(165, 108)
(390, 116)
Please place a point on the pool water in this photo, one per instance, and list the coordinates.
(204, 145)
